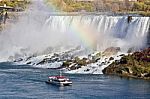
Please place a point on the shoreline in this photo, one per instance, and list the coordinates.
(136, 65)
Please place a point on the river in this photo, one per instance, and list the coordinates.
(26, 82)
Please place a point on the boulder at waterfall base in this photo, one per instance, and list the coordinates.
(135, 65)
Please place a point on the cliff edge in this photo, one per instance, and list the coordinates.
(135, 65)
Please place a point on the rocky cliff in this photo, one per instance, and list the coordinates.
(135, 65)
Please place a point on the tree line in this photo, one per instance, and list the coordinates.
(140, 7)
(15, 3)
(71, 5)
(101, 5)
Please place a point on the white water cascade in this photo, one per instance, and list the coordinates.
(65, 31)
(37, 29)
(109, 31)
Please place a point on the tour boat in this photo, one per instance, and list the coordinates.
(59, 80)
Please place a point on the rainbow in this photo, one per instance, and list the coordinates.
(85, 34)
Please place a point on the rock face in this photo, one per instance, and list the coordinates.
(70, 62)
(133, 65)
(111, 51)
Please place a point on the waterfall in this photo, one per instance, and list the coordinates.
(38, 30)
(91, 32)
(108, 30)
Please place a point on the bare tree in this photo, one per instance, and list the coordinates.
(99, 5)
(115, 7)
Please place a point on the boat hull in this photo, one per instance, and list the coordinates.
(59, 83)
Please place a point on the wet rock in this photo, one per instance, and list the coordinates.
(136, 65)
(111, 58)
(28, 58)
(122, 55)
(29, 63)
(18, 60)
(87, 70)
(123, 60)
(41, 63)
(97, 59)
(66, 64)
(129, 19)
(74, 67)
(147, 75)
(111, 51)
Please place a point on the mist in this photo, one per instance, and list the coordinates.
(37, 29)
(27, 32)
(30, 34)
